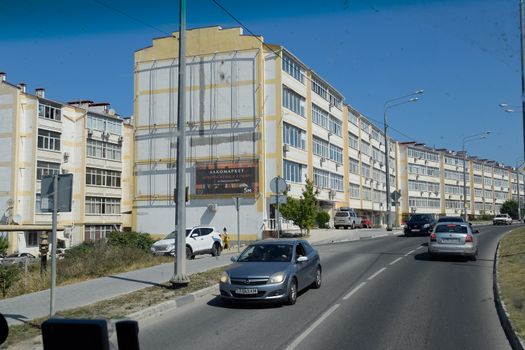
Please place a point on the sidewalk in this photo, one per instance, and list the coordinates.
(30, 306)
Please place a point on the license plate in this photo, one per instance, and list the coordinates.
(449, 240)
(415, 230)
(246, 291)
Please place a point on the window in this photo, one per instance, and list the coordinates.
(336, 182)
(354, 166)
(365, 127)
(353, 141)
(102, 205)
(293, 68)
(49, 112)
(49, 140)
(320, 147)
(354, 191)
(105, 150)
(423, 186)
(423, 202)
(423, 170)
(32, 239)
(46, 168)
(336, 154)
(352, 118)
(320, 116)
(100, 123)
(488, 181)
(367, 194)
(102, 177)
(335, 126)
(365, 171)
(38, 202)
(97, 232)
(319, 89)
(365, 148)
(294, 172)
(293, 101)
(478, 179)
(321, 178)
(415, 153)
(294, 136)
(377, 155)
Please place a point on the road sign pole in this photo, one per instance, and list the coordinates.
(237, 206)
(54, 247)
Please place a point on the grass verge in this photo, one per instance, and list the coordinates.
(119, 307)
(511, 272)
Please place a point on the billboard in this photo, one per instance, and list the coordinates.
(227, 177)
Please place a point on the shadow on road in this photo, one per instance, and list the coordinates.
(445, 258)
(249, 304)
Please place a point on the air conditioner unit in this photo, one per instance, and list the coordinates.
(120, 139)
(322, 160)
(66, 156)
(332, 193)
(286, 148)
(89, 132)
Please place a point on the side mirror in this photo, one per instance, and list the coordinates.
(302, 258)
(234, 258)
(193, 235)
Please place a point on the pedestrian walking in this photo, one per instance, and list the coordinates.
(225, 238)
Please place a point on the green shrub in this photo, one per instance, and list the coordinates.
(322, 218)
(8, 276)
(130, 239)
(4, 244)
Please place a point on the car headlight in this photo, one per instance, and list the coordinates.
(277, 277)
(426, 225)
(225, 278)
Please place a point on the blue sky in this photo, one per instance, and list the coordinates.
(465, 54)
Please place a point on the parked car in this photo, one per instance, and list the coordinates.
(419, 224)
(272, 270)
(199, 240)
(453, 239)
(346, 217)
(18, 258)
(502, 219)
(365, 222)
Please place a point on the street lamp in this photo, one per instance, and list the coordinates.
(467, 139)
(389, 104)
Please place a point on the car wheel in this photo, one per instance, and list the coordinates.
(292, 292)
(216, 250)
(189, 254)
(318, 278)
(353, 225)
(474, 256)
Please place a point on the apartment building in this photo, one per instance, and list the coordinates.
(41, 136)
(431, 181)
(255, 111)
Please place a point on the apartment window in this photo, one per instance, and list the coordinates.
(478, 179)
(352, 118)
(423, 186)
(365, 127)
(367, 194)
(294, 172)
(354, 191)
(365, 171)
(46, 168)
(353, 141)
(336, 182)
(377, 155)
(354, 166)
(293, 68)
(320, 147)
(38, 202)
(488, 181)
(335, 126)
(103, 177)
(423, 170)
(423, 202)
(319, 89)
(336, 154)
(320, 116)
(415, 153)
(49, 112)
(97, 232)
(31, 239)
(321, 178)
(294, 136)
(488, 194)
(293, 101)
(365, 148)
(100, 123)
(48, 140)
(105, 150)
(102, 205)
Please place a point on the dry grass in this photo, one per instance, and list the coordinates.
(119, 307)
(511, 277)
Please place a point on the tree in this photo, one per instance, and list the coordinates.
(510, 207)
(302, 211)
(4, 244)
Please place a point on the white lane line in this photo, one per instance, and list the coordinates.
(393, 262)
(420, 247)
(410, 252)
(352, 292)
(309, 330)
(377, 273)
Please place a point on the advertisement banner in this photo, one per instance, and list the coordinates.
(227, 177)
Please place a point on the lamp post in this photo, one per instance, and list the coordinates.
(467, 139)
(390, 104)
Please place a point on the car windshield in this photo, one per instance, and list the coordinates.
(419, 217)
(173, 234)
(451, 219)
(267, 253)
(452, 228)
(342, 214)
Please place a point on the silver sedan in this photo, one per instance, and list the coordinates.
(272, 270)
(453, 238)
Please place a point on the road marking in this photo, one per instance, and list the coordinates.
(410, 252)
(393, 262)
(419, 247)
(352, 292)
(309, 330)
(377, 273)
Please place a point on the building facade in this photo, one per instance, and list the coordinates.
(39, 137)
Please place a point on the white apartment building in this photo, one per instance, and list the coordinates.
(41, 136)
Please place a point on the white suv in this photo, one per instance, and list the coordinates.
(199, 240)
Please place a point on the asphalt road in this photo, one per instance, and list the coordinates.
(379, 293)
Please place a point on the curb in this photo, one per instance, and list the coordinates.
(170, 305)
(513, 338)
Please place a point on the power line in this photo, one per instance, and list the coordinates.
(131, 17)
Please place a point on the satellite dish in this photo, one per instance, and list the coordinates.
(17, 218)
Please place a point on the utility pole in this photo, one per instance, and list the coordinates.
(180, 276)
(54, 247)
(522, 41)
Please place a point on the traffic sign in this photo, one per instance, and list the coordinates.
(395, 195)
(278, 184)
(274, 198)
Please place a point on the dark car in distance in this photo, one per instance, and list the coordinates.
(419, 224)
